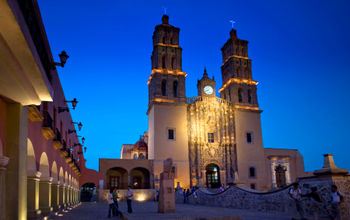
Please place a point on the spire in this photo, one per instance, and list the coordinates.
(165, 19)
(205, 74)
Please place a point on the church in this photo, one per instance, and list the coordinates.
(212, 140)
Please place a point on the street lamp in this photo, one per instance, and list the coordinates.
(74, 102)
(85, 149)
(71, 131)
(80, 125)
(83, 140)
(63, 58)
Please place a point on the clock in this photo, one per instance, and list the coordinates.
(208, 90)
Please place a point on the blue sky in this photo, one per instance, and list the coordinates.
(299, 51)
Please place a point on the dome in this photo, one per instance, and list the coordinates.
(140, 145)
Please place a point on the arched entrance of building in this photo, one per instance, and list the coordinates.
(212, 175)
(117, 177)
(88, 192)
(140, 178)
(280, 172)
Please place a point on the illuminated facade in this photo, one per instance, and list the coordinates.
(212, 140)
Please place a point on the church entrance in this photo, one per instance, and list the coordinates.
(212, 176)
(280, 175)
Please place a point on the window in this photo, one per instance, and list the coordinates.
(252, 185)
(163, 62)
(171, 134)
(141, 156)
(164, 87)
(163, 39)
(135, 156)
(250, 99)
(249, 138)
(113, 181)
(240, 97)
(175, 88)
(171, 40)
(210, 137)
(173, 63)
(252, 172)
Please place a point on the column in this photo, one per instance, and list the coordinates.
(66, 187)
(45, 196)
(3, 162)
(62, 196)
(16, 150)
(33, 210)
(55, 196)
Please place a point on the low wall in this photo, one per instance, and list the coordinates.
(139, 194)
(276, 201)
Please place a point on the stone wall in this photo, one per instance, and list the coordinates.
(277, 201)
(139, 194)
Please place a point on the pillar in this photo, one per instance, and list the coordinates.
(33, 210)
(66, 190)
(16, 150)
(55, 196)
(62, 196)
(3, 162)
(45, 196)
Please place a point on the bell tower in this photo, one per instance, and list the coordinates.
(239, 88)
(167, 81)
(167, 106)
(206, 86)
(238, 84)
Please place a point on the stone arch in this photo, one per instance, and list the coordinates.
(117, 177)
(44, 167)
(66, 178)
(61, 175)
(54, 172)
(140, 178)
(31, 162)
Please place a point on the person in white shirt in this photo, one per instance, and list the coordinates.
(336, 199)
(295, 194)
(110, 203)
(129, 196)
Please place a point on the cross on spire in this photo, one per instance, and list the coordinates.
(232, 23)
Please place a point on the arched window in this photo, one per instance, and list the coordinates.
(171, 40)
(252, 172)
(173, 63)
(175, 88)
(164, 87)
(141, 156)
(237, 71)
(240, 96)
(229, 96)
(250, 98)
(242, 52)
(163, 62)
(163, 39)
(135, 156)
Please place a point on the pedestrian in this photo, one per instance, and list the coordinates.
(129, 196)
(195, 196)
(184, 194)
(316, 201)
(115, 200)
(187, 194)
(110, 202)
(336, 199)
(222, 188)
(295, 194)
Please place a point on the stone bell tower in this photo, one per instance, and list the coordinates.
(239, 89)
(206, 86)
(167, 111)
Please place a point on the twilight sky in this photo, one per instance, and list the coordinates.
(299, 51)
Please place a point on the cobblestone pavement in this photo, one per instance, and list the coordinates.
(148, 210)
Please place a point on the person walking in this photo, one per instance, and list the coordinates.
(295, 194)
(115, 200)
(184, 194)
(129, 196)
(110, 203)
(316, 201)
(336, 199)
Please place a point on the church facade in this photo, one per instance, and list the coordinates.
(212, 140)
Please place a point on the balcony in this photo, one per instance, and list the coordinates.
(34, 113)
(57, 144)
(63, 151)
(47, 127)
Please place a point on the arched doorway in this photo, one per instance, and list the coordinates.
(139, 178)
(212, 175)
(280, 172)
(88, 192)
(117, 177)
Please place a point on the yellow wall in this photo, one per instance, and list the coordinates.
(162, 117)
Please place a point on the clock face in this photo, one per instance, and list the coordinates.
(208, 90)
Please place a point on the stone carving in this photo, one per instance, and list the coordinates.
(166, 202)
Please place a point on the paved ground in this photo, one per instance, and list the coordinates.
(148, 210)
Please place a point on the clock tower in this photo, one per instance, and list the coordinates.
(206, 86)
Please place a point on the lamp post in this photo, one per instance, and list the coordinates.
(74, 102)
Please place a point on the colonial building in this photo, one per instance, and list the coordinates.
(212, 140)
